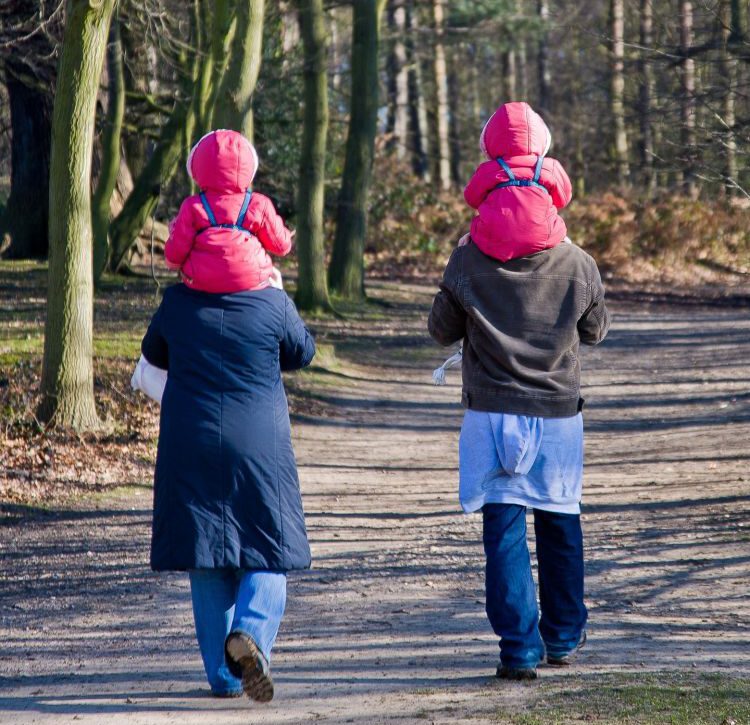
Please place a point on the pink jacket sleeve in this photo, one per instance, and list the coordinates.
(559, 185)
(484, 180)
(181, 236)
(272, 233)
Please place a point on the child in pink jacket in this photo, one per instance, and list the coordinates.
(221, 237)
(518, 191)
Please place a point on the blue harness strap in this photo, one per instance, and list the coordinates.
(513, 181)
(240, 217)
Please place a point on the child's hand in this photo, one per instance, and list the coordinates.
(465, 239)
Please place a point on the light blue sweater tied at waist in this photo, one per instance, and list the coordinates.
(518, 459)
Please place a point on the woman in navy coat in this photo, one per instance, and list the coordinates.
(227, 504)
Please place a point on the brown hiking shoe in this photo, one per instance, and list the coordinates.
(243, 655)
(515, 673)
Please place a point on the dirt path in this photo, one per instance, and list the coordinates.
(389, 626)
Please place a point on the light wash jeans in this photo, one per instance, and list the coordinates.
(229, 600)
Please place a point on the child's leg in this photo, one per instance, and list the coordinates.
(261, 600)
(511, 595)
(213, 593)
(559, 550)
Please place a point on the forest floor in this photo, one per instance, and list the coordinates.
(389, 624)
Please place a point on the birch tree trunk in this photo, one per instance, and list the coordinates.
(728, 71)
(346, 272)
(398, 82)
(620, 145)
(419, 132)
(67, 385)
(688, 104)
(441, 93)
(544, 78)
(110, 151)
(234, 101)
(312, 288)
(646, 96)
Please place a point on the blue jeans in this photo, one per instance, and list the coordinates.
(228, 600)
(511, 596)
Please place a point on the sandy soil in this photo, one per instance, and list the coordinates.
(389, 625)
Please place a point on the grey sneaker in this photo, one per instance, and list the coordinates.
(515, 673)
(247, 661)
(565, 660)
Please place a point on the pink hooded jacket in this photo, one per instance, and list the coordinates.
(514, 221)
(224, 260)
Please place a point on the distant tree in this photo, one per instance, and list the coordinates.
(617, 92)
(111, 141)
(29, 34)
(346, 271)
(688, 99)
(233, 108)
(67, 385)
(646, 94)
(312, 288)
(441, 97)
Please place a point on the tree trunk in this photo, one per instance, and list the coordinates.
(234, 103)
(137, 72)
(508, 62)
(544, 78)
(346, 273)
(454, 126)
(67, 371)
(620, 145)
(646, 97)
(312, 288)
(688, 104)
(110, 151)
(728, 71)
(25, 217)
(441, 94)
(398, 84)
(204, 21)
(419, 132)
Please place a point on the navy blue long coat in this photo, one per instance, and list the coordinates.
(226, 491)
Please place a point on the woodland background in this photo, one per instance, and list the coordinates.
(366, 116)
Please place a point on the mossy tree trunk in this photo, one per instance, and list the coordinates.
(312, 290)
(111, 151)
(346, 273)
(233, 107)
(67, 370)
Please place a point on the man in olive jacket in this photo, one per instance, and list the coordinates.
(521, 443)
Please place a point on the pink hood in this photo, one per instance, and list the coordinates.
(223, 161)
(515, 129)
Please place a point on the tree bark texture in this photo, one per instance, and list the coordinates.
(688, 101)
(234, 107)
(312, 287)
(441, 97)
(67, 371)
(617, 92)
(110, 151)
(346, 272)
